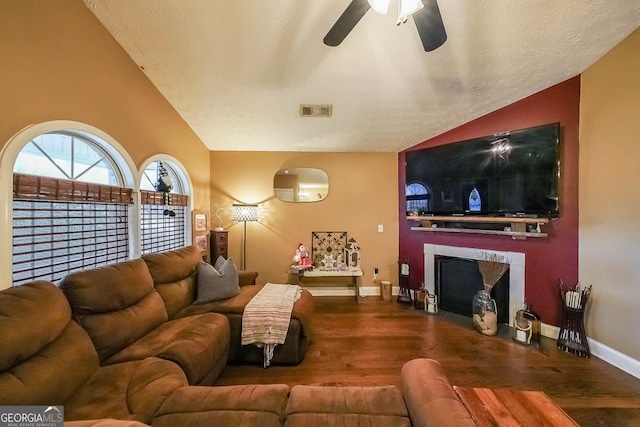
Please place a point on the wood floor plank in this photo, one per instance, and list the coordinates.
(366, 344)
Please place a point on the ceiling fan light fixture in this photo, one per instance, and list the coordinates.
(406, 8)
(380, 6)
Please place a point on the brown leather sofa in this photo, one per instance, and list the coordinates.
(174, 274)
(47, 358)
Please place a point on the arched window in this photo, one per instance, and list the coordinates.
(70, 206)
(164, 210)
(68, 155)
(418, 198)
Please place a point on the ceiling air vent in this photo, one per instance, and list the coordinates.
(308, 110)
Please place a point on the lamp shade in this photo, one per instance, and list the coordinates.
(244, 212)
(380, 6)
(407, 7)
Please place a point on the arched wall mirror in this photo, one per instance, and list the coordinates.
(300, 185)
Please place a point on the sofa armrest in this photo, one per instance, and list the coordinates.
(247, 277)
(430, 399)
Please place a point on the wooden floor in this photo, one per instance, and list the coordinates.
(367, 344)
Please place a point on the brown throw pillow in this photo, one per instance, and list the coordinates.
(213, 284)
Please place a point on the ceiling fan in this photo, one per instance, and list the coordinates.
(427, 19)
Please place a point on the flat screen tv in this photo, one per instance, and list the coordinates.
(511, 173)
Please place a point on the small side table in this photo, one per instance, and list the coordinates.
(572, 337)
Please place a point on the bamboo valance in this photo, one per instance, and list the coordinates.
(30, 187)
(156, 198)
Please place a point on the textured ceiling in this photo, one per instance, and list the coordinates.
(237, 71)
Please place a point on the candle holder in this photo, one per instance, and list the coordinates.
(419, 296)
(522, 330)
(431, 303)
(404, 294)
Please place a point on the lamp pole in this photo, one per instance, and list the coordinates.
(244, 250)
(244, 213)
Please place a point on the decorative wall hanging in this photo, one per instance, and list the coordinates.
(324, 243)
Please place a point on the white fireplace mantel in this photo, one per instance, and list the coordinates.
(516, 261)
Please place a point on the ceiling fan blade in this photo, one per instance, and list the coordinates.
(430, 26)
(349, 18)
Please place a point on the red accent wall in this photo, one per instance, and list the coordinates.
(547, 260)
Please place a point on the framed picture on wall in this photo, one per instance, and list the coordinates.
(200, 232)
(200, 222)
(202, 242)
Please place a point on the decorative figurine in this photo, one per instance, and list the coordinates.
(328, 261)
(304, 254)
(218, 216)
(165, 185)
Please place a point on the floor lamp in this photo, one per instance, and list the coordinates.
(244, 213)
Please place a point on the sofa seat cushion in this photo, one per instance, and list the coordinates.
(235, 304)
(303, 309)
(196, 343)
(430, 398)
(244, 405)
(126, 391)
(358, 406)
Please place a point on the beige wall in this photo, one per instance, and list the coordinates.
(362, 194)
(609, 197)
(59, 63)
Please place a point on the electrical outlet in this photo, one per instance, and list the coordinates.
(380, 228)
(375, 273)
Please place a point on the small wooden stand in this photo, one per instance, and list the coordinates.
(404, 294)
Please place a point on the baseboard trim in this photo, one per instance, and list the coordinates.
(613, 357)
(342, 291)
(374, 291)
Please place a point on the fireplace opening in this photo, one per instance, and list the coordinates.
(458, 280)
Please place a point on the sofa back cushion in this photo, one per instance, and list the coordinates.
(45, 355)
(174, 276)
(116, 304)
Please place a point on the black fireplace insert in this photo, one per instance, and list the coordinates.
(458, 280)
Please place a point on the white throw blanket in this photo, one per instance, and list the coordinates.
(265, 320)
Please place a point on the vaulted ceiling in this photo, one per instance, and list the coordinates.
(237, 71)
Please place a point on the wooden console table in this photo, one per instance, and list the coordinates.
(504, 407)
(354, 273)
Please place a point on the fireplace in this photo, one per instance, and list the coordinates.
(516, 261)
(458, 280)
